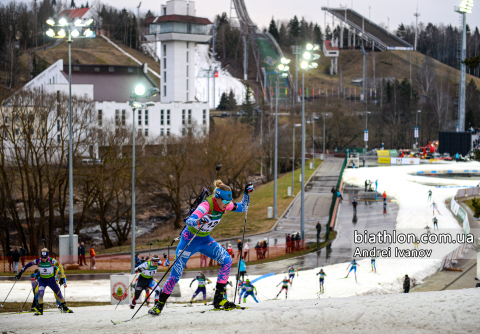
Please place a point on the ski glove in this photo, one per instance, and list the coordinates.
(248, 188)
(18, 276)
(62, 281)
(206, 219)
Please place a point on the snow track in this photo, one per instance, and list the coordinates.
(430, 312)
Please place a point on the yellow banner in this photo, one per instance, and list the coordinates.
(384, 160)
(383, 153)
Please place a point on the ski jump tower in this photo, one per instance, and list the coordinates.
(331, 50)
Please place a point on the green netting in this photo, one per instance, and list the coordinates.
(270, 60)
(393, 153)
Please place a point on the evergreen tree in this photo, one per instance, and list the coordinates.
(223, 104)
(272, 29)
(294, 28)
(232, 103)
(72, 4)
(149, 14)
(86, 6)
(54, 2)
(328, 33)
(317, 35)
(247, 106)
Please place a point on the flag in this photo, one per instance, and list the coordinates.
(370, 92)
(286, 91)
(300, 90)
(307, 92)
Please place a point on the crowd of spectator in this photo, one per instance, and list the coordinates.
(293, 242)
(261, 249)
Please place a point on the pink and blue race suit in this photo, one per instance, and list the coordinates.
(204, 243)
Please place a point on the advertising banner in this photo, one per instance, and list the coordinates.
(405, 161)
(383, 160)
(383, 153)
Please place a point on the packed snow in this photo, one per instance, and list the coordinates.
(430, 312)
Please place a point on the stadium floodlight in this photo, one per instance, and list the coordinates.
(315, 56)
(89, 22)
(309, 47)
(307, 55)
(466, 6)
(61, 33)
(139, 90)
(286, 68)
(75, 33)
(78, 22)
(281, 67)
(88, 33)
(304, 64)
(316, 47)
(313, 65)
(50, 33)
(285, 61)
(62, 22)
(50, 21)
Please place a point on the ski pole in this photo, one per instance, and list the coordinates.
(26, 300)
(170, 268)
(240, 260)
(9, 292)
(126, 293)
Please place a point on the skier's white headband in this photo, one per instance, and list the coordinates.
(156, 259)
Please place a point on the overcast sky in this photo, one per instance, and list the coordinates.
(261, 11)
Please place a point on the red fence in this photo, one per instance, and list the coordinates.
(122, 262)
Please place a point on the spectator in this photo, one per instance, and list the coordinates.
(79, 252)
(406, 284)
(82, 248)
(203, 261)
(297, 241)
(258, 249)
(333, 190)
(243, 269)
(137, 261)
(246, 249)
(142, 260)
(339, 195)
(15, 259)
(23, 254)
(319, 230)
(239, 247)
(230, 251)
(92, 256)
(9, 258)
(366, 185)
(288, 241)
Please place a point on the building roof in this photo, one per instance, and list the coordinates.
(177, 18)
(328, 45)
(111, 83)
(75, 13)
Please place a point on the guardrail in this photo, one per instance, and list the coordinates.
(335, 199)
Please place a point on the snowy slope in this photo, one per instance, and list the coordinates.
(431, 312)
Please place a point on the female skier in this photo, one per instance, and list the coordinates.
(354, 265)
(46, 266)
(291, 274)
(202, 281)
(201, 222)
(146, 281)
(322, 278)
(284, 287)
(241, 287)
(372, 263)
(249, 291)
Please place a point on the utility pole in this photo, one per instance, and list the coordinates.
(417, 14)
(296, 49)
(138, 21)
(245, 58)
(214, 60)
(36, 45)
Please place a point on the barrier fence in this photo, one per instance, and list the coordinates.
(123, 262)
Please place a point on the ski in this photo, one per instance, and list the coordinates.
(25, 312)
(227, 310)
(124, 321)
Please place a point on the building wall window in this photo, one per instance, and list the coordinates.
(164, 90)
(146, 117)
(184, 131)
(204, 116)
(139, 117)
(165, 63)
(161, 132)
(58, 138)
(187, 56)
(183, 117)
(188, 44)
(187, 85)
(161, 117)
(117, 117)
(164, 76)
(123, 117)
(168, 131)
(168, 119)
(189, 116)
(58, 125)
(164, 50)
(100, 118)
(146, 132)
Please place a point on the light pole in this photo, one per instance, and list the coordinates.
(307, 63)
(416, 128)
(324, 157)
(296, 50)
(281, 71)
(293, 158)
(137, 93)
(73, 31)
(365, 136)
(465, 7)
